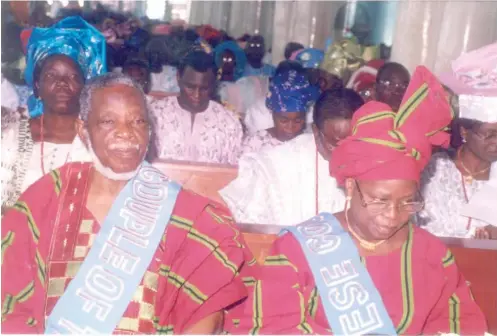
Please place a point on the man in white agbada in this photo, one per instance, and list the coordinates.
(461, 192)
(288, 184)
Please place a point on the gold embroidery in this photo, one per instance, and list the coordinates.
(72, 268)
(138, 295)
(86, 226)
(146, 311)
(127, 323)
(80, 252)
(56, 287)
(151, 280)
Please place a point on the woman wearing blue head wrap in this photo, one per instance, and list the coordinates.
(230, 60)
(288, 99)
(58, 61)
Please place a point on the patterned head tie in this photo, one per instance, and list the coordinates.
(385, 145)
(290, 91)
(72, 37)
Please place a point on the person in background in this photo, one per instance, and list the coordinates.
(59, 60)
(191, 126)
(255, 50)
(292, 47)
(230, 61)
(367, 270)
(391, 84)
(288, 184)
(138, 68)
(169, 258)
(242, 41)
(363, 81)
(288, 99)
(451, 181)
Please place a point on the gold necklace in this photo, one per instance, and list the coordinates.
(468, 179)
(364, 243)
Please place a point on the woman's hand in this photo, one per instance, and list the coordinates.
(487, 232)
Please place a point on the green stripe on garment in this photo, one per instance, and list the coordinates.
(57, 180)
(40, 263)
(448, 259)
(249, 281)
(31, 322)
(279, 260)
(23, 208)
(7, 306)
(164, 270)
(257, 309)
(397, 135)
(164, 330)
(372, 118)
(7, 241)
(252, 262)
(454, 314)
(303, 325)
(25, 293)
(406, 280)
(191, 290)
(391, 144)
(208, 242)
(313, 302)
(410, 105)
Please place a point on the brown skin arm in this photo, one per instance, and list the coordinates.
(487, 232)
(210, 325)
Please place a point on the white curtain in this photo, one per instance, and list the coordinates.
(434, 33)
(215, 13)
(306, 22)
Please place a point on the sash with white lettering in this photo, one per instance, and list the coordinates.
(351, 302)
(96, 299)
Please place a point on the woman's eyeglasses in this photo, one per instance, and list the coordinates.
(392, 85)
(487, 136)
(377, 207)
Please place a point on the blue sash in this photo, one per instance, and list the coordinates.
(96, 299)
(352, 303)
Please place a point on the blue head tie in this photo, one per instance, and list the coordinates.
(72, 37)
(241, 59)
(310, 58)
(290, 91)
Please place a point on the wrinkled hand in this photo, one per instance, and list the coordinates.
(487, 232)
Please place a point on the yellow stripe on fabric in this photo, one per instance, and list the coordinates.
(31, 322)
(397, 135)
(252, 262)
(25, 293)
(23, 208)
(448, 259)
(406, 281)
(179, 282)
(279, 260)
(208, 242)
(249, 281)
(164, 330)
(57, 180)
(257, 309)
(454, 314)
(372, 118)
(214, 215)
(303, 325)
(313, 302)
(411, 104)
(7, 241)
(7, 306)
(40, 263)
(391, 144)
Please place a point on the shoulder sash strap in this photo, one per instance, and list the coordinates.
(98, 296)
(352, 303)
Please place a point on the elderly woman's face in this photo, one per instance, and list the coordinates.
(118, 127)
(59, 85)
(482, 140)
(379, 209)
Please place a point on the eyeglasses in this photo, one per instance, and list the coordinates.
(487, 136)
(392, 85)
(377, 207)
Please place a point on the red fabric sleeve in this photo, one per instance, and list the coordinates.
(200, 271)
(456, 311)
(23, 265)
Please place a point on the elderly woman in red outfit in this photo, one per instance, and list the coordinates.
(368, 269)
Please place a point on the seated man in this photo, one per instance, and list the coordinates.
(288, 184)
(112, 246)
(191, 126)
